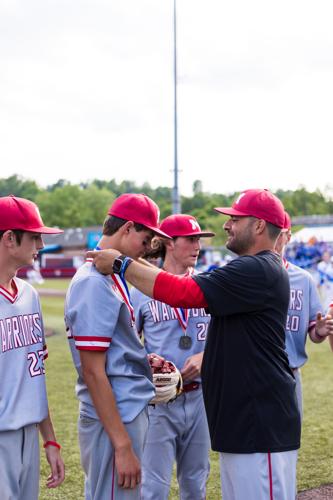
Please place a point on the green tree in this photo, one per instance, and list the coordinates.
(23, 188)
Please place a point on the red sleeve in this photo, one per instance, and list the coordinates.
(178, 291)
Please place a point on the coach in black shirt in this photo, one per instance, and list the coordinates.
(248, 387)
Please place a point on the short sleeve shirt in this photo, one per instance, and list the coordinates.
(248, 386)
(304, 305)
(23, 399)
(98, 319)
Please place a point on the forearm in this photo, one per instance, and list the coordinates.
(176, 291)
(52, 451)
(46, 429)
(143, 277)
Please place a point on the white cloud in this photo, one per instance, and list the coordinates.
(86, 90)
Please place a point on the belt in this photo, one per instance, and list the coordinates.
(192, 386)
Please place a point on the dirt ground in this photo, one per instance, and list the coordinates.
(321, 493)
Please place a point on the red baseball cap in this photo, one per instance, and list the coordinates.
(183, 225)
(138, 208)
(260, 203)
(287, 222)
(19, 213)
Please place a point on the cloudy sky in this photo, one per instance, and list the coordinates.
(86, 91)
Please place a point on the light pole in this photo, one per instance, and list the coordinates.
(176, 207)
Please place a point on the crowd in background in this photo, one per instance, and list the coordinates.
(314, 256)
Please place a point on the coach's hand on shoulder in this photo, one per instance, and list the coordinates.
(57, 466)
(103, 259)
(128, 467)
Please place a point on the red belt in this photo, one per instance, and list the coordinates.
(192, 386)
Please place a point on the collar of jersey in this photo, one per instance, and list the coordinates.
(10, 296)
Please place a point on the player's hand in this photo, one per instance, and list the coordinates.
(324, 325)
(155, 360)
(103, 259)
(56, 465)
(128, 467)
(192, 367)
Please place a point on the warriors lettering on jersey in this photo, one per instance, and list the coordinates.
(20, 331)
(295, 304)
(163, 312)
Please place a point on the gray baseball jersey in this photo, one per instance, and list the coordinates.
(184, 436)
(162, 330)
(303, 307)
(98, 319)
(23, 398)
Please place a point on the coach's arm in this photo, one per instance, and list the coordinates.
(177, 291)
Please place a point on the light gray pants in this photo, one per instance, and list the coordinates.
(258, 476)
(19, 464)
(177, 431)
(97, 458)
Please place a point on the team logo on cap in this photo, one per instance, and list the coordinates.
(37, 211)
(194, 224)
(239, 198)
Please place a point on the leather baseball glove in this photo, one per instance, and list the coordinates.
(166, 378)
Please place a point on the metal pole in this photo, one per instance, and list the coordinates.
(176, 207)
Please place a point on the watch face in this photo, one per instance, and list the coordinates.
(117, 265)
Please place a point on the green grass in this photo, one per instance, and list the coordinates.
(56, 284)
(315, 465)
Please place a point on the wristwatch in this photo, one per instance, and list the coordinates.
(120, 264)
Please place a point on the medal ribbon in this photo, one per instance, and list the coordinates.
(182, 316)
(181, 313)
(123, 290)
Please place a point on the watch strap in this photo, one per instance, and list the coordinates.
(120, 265)
(126, 262)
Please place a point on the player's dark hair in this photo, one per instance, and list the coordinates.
(273, 231)
(112, 224)
(18, 233)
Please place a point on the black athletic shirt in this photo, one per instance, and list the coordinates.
(249, 389)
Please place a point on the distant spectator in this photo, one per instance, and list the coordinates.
(325, 270)
(34, 274)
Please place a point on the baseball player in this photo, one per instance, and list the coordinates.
(304, 309)
(114, 377)
(325, 271)
(248, 386)
(23, 400)
(178, 335)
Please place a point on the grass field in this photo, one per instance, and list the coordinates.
(315, 465)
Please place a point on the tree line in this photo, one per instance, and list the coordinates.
(80, 205)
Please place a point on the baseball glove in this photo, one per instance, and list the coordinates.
(166, 378)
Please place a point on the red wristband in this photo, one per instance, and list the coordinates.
(51, 443)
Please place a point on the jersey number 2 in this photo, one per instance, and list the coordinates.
(202, 331)
(36, 366)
